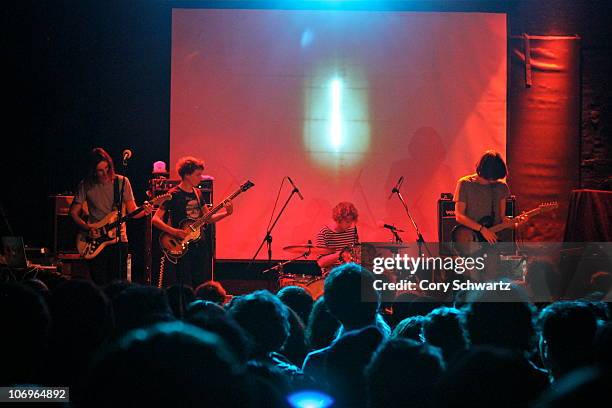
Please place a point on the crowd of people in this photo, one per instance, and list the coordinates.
(129, 344)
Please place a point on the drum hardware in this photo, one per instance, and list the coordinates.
(304, 250)
(312, 284)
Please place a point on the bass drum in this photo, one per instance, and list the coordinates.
(291, 279)
(315, 287)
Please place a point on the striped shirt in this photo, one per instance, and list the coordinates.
(336, 240)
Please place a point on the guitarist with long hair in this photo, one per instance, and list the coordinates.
(99, 191)
(187, 204)
(483, 194)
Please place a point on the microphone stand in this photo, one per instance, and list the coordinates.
(420, 241)
(119, 213)
(268, 238)
(396, 237)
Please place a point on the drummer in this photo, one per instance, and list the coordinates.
(340, 235)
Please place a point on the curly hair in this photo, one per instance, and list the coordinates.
(345, 211)
(187, 165)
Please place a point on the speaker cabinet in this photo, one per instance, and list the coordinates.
(64, 228)
(446, 222)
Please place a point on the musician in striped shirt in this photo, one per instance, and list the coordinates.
(339, 235)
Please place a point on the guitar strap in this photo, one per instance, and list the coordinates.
(116, 193)
(197, 194)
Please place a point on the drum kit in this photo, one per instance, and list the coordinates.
(312, 284)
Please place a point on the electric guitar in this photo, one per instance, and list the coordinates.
(467, 241)
(174, 247)
(89, 244)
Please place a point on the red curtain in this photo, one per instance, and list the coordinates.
(543, 128)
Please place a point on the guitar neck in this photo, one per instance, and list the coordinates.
(206, 218)
(125, 218)
(508, 224)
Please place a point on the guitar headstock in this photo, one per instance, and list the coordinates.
(246, 185)
(160, 199)
(548, 206)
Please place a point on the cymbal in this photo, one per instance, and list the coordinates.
(313, 249)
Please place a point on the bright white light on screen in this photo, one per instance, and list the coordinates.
(335, 130)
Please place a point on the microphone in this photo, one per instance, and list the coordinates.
(389, 226)
(295, 188)
(127, 154)
(397, 186)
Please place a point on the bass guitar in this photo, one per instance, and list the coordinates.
(174, 247)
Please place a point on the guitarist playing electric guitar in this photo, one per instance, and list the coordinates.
(99, 192)
(482, 195)
(186, 203)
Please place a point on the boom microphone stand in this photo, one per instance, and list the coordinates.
(420, 241)
(268, 238)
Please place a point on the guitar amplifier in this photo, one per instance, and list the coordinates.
(446, 222)
(162, 185)
(64, 228)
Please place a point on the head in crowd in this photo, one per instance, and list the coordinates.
(38, 286)
(403, 373)
(491, 166)
(345, 364)
(168, 364)
(138, 306)
(298, 299)
(322, 326)
(176, 295)
(225, 327)
(410, 304)
(81, 313)
(601, 282)
(206, 308)
(543, 281)
(409, 328)
(503, 319)
(26, 322)
(212, 291)
(264, 317)
(489, 377)
(190, 166)
(295, 348)
(351, 297)
(100, 167)
(82, 321)
(114, 288)
(442, 328)
(567, 333)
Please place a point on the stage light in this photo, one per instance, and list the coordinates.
(310, 399)
(335, 129)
